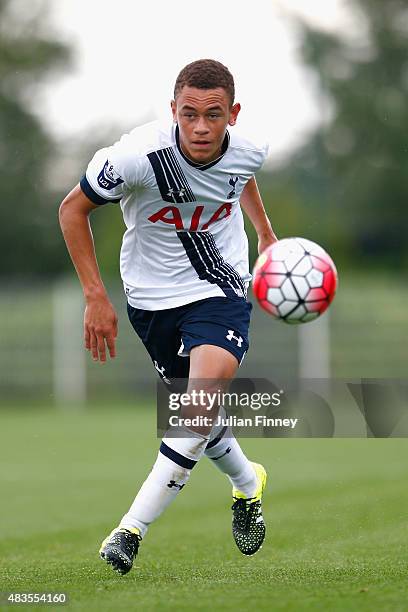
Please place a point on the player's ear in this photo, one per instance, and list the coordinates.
(234, 113)
(174, 110)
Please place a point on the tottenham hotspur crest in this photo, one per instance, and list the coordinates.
(233, 181)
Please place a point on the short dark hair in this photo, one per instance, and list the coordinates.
(206, 74)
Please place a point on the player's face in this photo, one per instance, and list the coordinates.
(202, 116)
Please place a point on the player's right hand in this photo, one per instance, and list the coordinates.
(100, 328)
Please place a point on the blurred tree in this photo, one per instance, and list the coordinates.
(30, 244)
(348, 186)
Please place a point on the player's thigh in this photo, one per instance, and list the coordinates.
(215, 333)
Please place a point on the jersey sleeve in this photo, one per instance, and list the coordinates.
(260, 156)
(265, 153)
(250, 152)
(111, 171)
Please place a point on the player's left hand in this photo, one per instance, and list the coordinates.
(100, 328)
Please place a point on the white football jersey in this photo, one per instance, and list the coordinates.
(185, 237)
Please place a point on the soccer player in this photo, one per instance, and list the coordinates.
(184, 266)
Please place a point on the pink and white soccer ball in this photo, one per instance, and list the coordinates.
(294, 280)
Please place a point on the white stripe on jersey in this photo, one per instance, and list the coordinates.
(178, 169)
(226, 265)
(218, 268)
(217, 278)
(166, 178)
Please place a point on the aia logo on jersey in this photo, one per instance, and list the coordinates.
(172, 216)
(233, 181)
(108, 178)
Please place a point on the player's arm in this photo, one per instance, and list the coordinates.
(252, 204)
(100, 320)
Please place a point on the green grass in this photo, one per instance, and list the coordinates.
(335, 510)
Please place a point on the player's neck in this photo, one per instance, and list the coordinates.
(199, 164)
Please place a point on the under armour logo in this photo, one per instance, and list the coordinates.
(232, 182)
(230, 336)
(176, 192)
(173, 484)
(161, 372)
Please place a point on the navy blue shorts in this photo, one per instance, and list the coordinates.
(169, 335)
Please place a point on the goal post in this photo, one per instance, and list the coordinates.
(314, 348)
(69, 356)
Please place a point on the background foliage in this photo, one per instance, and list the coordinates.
(345, 188)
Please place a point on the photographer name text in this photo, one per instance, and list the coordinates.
(257, 420)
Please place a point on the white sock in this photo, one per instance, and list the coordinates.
(176, 458)
(227, 455)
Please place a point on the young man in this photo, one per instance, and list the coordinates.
(184, 265)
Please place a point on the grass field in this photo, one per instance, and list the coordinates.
(336, 514)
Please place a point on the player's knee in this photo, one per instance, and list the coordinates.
(213, 363)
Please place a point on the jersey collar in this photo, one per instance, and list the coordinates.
(197, 165)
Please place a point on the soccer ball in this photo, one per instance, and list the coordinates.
(294, 280)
